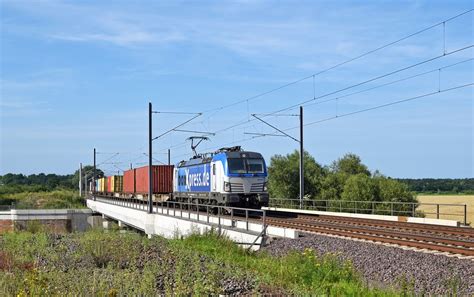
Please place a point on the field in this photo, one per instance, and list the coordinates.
(448, 212)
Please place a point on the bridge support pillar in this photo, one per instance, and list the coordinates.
(107, 222)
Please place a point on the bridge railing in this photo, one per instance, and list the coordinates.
(195, 211)
(432, 210)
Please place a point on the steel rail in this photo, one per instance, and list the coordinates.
(466, 232)
(376, 238)
(341, 226)
(380, 225)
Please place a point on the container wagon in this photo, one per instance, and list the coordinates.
(115, 184)
(136, 182)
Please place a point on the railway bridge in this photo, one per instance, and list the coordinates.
(246, 227)
(252, 228)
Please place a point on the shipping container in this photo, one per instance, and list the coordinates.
(102, 184)
(118, 184)
(114, 184)
(129, 181)
(162, 179)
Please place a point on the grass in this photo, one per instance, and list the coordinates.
(55, 199)
(448, 212)
(112, 263)
(297, 273)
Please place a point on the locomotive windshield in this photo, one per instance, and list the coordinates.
(255, 166)
(245, 165)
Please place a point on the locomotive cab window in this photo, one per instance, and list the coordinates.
(244, 165)
(255, 166)
(236, 165)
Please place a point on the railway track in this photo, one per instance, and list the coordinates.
(462, 233)
(404, 236)
(453, 240)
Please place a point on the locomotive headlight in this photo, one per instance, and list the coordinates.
(265, 188)
(226, 187)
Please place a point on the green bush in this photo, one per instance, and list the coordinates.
(43, 200)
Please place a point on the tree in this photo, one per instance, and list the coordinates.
(333, 185)
(14, 179)
(350, 164)
(360, 187)
(283, 176)
(338, 173)
(392, 190)
(86, 171)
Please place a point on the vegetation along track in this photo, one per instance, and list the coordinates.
(436, 238)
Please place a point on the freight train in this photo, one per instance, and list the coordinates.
(229, 177)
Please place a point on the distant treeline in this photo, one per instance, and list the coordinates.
(10, 182)
(16, 183)
(46, 182)
(440, 185)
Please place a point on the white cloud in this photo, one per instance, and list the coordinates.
(241, 34)
(25, 84)
(19, 107)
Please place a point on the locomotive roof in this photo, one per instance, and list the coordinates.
(207, 158)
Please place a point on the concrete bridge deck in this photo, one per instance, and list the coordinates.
(176, 222)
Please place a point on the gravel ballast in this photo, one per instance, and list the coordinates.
(389, 266)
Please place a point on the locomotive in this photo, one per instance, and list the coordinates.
(229, 176)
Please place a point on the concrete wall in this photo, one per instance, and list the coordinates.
(369, 216)
(451, 223)
(56, 220)
(79, 220)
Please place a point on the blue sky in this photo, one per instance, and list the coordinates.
(78, 74)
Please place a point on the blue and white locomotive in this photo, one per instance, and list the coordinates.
(229, 176)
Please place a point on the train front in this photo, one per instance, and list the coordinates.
(241, 178)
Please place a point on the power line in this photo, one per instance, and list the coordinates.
(392, 82)
(384, 105)
(108, 159)
(338, 65)
(372, 108)
(194, 131)
(264, 134)
(276, 128)
(341, 63)
(155, 159)
(352, 113)
(175, 112)
(278, 114)
(356, 112)
(180, 125)
(354, 85)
